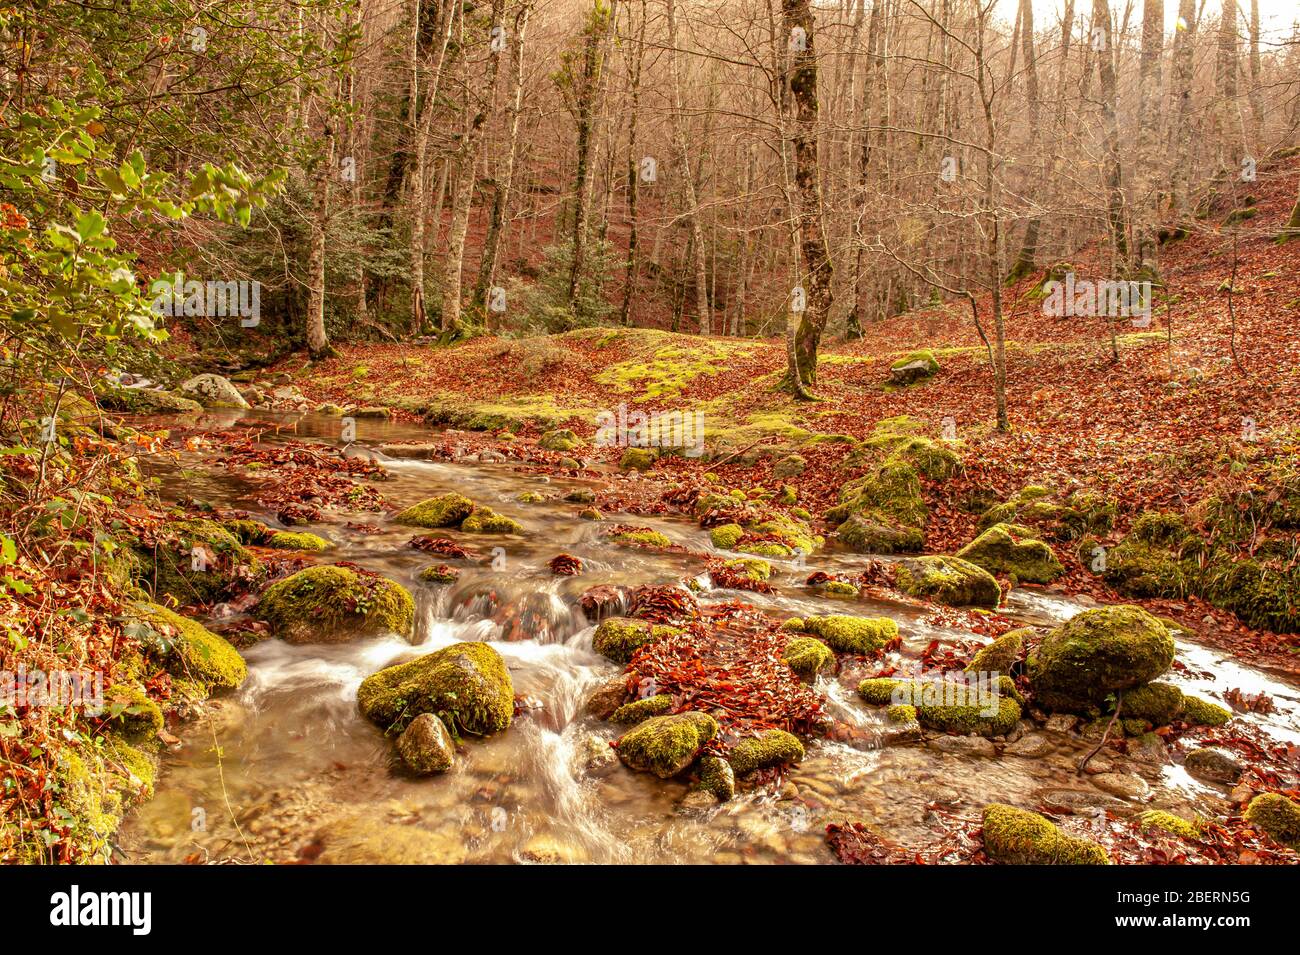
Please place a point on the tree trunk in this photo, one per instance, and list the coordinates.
(1110, 126)
(682, 141)
(463, 199)
(318, 343)
(634, 65)
(1025, 261)
(866, 119)
(586, 109)
(1183, 66)
(1153, 35)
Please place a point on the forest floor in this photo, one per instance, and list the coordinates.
(1181, 408)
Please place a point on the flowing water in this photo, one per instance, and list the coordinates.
(285, 769)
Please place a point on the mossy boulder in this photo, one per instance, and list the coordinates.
(445, 510)
(466, 685)
(291, 540)
(1037, 507)
(1163, 821)
(248, 531)
(807, 656)
(1199, 712)
(1276, 815)
(1000, 655)
(193, 652)
(531, 497)
(1155, 559)
(1020, 837)
(914, 367)
(666, 745)
(888, 496)
(146, 401)
(638, 459)
(1011, 549)
(726, 536)
(131, 712)
(716, 777)
(639, 710)
(640, 537)
(213, 391)
(754, 568)
(947, 580)
(867, 533)
(1097, 653)
(768, 748)
(848, 634)
(1158, 704)
(195, 561)
(617, 638)
(484, 520)
(329, 604)
(949, 707)
(560, 439)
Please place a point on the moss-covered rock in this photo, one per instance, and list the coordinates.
(1199, 712)
(726, 536)
(445, 510)
(146, 401)
(1009, 549)
(439, 574)
(1167, 822)
(848, 634)
(807, 656)
(1038, 508)
(1000, 655)
(769, 748)
(466, 685)
(1155, 559)
(867, 533)
(949, 707)
(617, 638)
(1158, 704)
(195, 561)
(484, 520)
(248, 531)
(560, 439)
(839, 588)
(752, 567)
(1020, 837)
(639, 710)
(193, 652)
(890, 509)
(716, 777)
(666, 745)
(638, 459)
(328, 604)
(531, 497)
(289, 540)
(1276, 815)
(640, 537)
(947, 580)
(1096, 653)
(913, 367)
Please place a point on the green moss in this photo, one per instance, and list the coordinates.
(1264, 593)
(752, 568)
(901, 713)
(873, 534)
(766, 549)
(807, 657)
(769, 748)
(1154, 559)
(716, 777)
(484, 520)
(846, 634)
(590, 514)
(170, 567)
(530, 497)
(1000, 655)
(137, 716)
(248, 531)
(1199, 712)
(947, 580)
(638, 459)
(194, 652)
(1096, 653)
(1005, 549)
(560, 439)
(328, 604)
(466, 685)
(146, 401)
(1277, 816)
(286, 540)
(925, 366)
(666, 745)
(439, 574)
(617, 638)
(446, 510)
(1168, 822)
(950, 708)
(1158, 704)
(891, 491)
(1019, 837)
(840, 588)
(642, 537)
(639, 710)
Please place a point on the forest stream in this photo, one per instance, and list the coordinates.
(285, 769)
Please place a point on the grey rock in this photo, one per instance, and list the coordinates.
(426, 745)
(1213, 765)
(213, 391)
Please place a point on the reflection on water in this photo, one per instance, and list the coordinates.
(286, 770)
